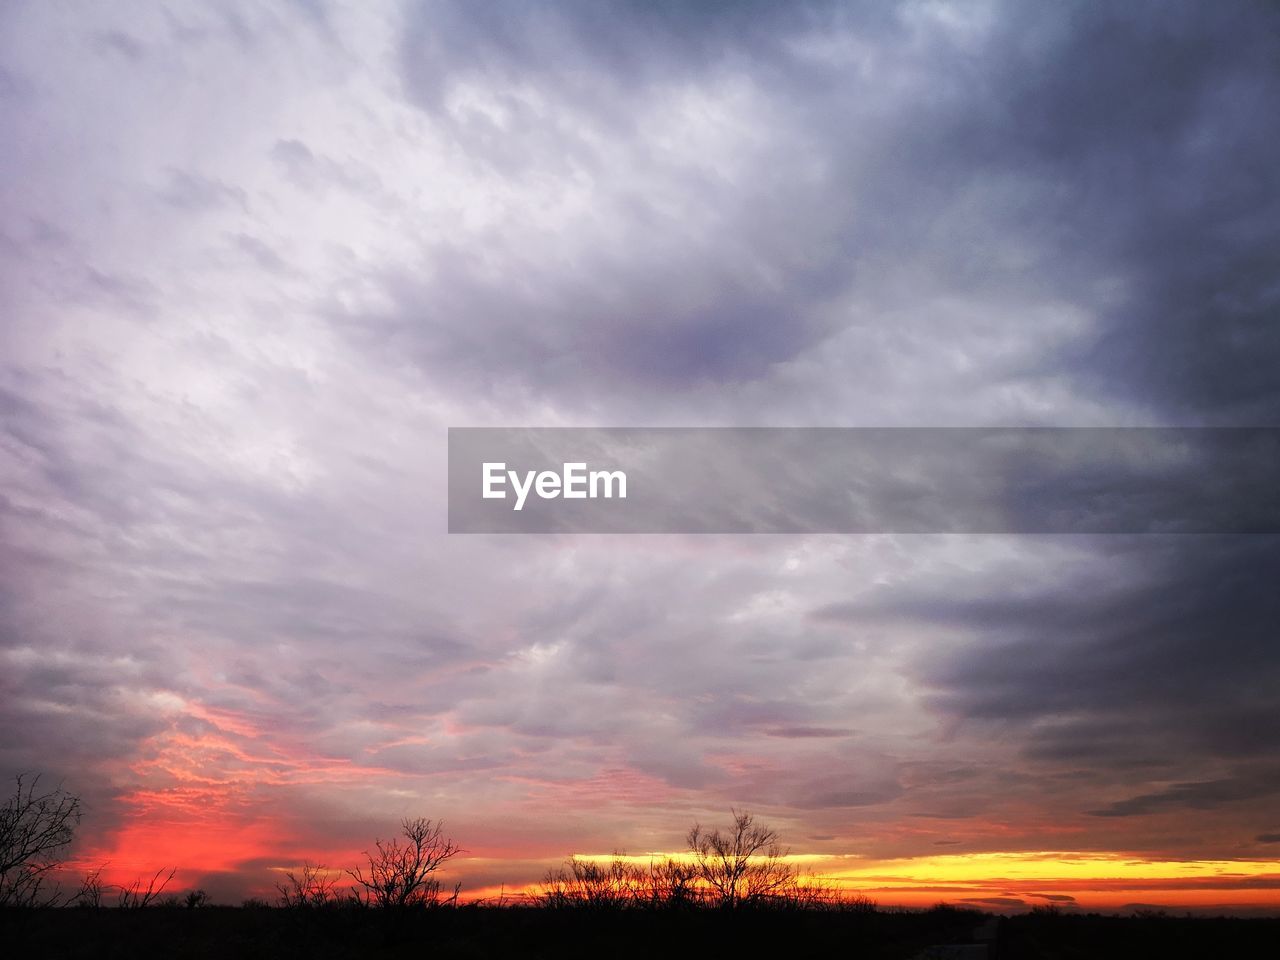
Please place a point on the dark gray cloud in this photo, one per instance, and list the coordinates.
(596, 53)
(1184, 647)
(995, 901)
(1203, 795)
(981, 153)
(1152, 667)
(691, 273)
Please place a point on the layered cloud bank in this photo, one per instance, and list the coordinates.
(255, 260)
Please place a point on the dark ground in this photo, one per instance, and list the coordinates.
(476, 932)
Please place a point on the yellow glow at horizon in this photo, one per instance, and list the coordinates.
(1046, 866)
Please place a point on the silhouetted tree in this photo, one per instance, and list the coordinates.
(35, 830)
(401, 873)
(741, 865)
(310, 886)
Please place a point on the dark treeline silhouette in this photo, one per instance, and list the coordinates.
(400, 874)
(740, 867)
(732, 891)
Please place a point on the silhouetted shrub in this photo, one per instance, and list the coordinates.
(91, 891)
(194, 899)
(309, 887)
(136, 896)
(586, 883)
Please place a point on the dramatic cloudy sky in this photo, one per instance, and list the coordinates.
(256, 258)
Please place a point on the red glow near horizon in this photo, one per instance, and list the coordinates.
(205, 800)
(208, 798)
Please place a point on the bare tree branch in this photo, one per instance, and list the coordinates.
(401, 873)
(743, 865)
(91, 890)
(311, 886)
(35, 829)
(135, 896)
